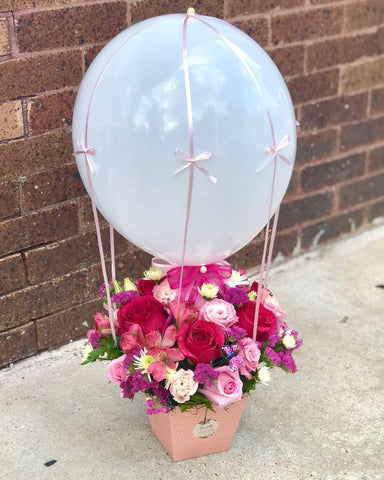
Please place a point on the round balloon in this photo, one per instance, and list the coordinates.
(194, 92)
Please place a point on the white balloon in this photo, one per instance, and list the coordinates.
(132, 109)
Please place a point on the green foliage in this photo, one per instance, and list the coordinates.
(195, 401)
(107, 351)
(248, 383)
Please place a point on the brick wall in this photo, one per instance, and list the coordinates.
(331, 53)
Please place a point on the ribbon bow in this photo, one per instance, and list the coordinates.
(193, 161)
(195, 276)
(276, 150)
(86, 152)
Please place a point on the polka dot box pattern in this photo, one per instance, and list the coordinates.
(197, 432)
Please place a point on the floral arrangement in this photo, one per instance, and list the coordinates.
(184, 337)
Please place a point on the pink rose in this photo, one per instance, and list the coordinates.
(144, 311)
(163, 292)
(200, 342)
(220, 312)
(228, 388)
(115, 369)
(183, 385)
(250, 353)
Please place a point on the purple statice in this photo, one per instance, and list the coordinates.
(204, 373)
(124, 297)
(134, 383)
(237, 333)
(130, 357)
(160, 392)
(299, 341)
(153, 411)
(287, 361)
(274, 356)
(236, 295)
(274, 339)
(102, 289)
(94, 339)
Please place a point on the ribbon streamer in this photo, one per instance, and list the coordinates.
(276, 150)
(189, 278)
(193, 162)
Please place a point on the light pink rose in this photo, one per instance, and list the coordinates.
(220, 312)
(228, 388)
(183, 386)
(163, 292)
(251, 355)
(115, 369)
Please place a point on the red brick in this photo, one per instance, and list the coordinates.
(40, 73)
(39, 227)
(361, 133)
(245, 7)
(313, 147)
(12, 273)
(377, 102)
(301, 210)
(314, 86)
(375, 210)
(59, 328)
(331, 228)
(256, 28)
(364, 14)
(50, 187)
(90, 54)
(334, 111)
(40, 300)
(289, 60)
(86, 215)
(30, 155)
(71, 254)
(132, 265)
(376, 161)
(152, 8)
(297, 27)
(361, 191)
(70, 26)
(329, 173)
(49, 112)
(9, 199)
(363, 75)
(17, 344)
(21, 4)
(343, 50)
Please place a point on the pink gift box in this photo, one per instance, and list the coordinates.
(198, 431)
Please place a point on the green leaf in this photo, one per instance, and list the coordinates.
(196, 400)
(93, 356)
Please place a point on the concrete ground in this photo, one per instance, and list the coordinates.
(325, 422)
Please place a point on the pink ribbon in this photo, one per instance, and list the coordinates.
(86, 151)
(276, 150)
(193, 162)
(189, 278)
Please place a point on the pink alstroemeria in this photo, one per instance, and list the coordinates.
(184, 312)
(165, 357)
(132, 338)
(167, 340)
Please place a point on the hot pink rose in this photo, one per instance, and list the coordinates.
(220, 312)
(266, 323)
(228, 388)
(201, 342)
(250, 353)
(145, 287)
(144, 311)
(115, 369)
